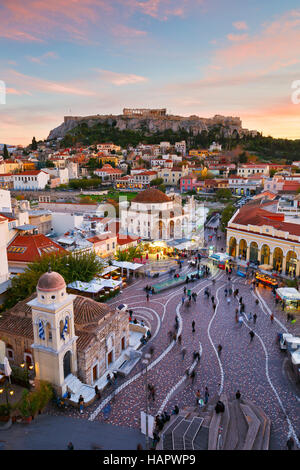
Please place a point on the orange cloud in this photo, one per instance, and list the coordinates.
(37, 84)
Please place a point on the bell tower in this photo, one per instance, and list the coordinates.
(54, 344)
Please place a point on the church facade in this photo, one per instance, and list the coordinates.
(62, 334)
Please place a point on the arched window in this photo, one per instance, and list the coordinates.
(10, 352)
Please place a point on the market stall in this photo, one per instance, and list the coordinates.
(220, 259)
(290, 298)
(266, 280)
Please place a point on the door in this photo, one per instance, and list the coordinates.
(109, 358)
(123, 343)
(95, 376)
(67, 364)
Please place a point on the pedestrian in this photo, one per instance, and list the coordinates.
(214, 307)
(250, 316)
(70, 446)
(193, 375)
(257, 302)
(240, 320)
(252, 334)
(179, 338)
(228, 301)
(80, 403)
(254, 318)
(272, 317)
(238, 395)
(152, 393)
(219, 349)
(182, 300)
(193, 326)
(212, 299)
(206, 395)
(97, 392)
(183, 353)
(184, 290)
(198, 396)
(290, 443)
(241, 300)
(147, 296)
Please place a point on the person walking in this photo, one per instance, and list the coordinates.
(214, 307)
(290, 443)
(183, 353)
(182, 300)
(240, 320)
(198, 396)
(252, 334)
(238, 395)
(193, 326)
(228, 301)
(147, 297)
(250, 317)
(179, 338)
(206, 395)
(254, 318)
(193, 375)
(219, 349)
(212, 299)
(272, 317)
(97, 392)
(80, 403)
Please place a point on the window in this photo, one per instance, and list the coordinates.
(10, 352)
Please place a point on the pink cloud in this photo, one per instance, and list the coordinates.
(277, 43)
(34, 84)
(120, 79)
(240, 25)
(237, 37)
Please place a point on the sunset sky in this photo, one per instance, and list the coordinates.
(203, 57)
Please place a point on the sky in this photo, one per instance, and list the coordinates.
(193, 57)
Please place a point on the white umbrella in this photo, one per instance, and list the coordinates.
(7, 368)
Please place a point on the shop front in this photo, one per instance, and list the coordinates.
(289, 297)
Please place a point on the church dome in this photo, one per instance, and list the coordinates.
(51, 281)
(88, 311)
(151, 196)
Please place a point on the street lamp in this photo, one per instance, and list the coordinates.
(11, 392)
(146, 361)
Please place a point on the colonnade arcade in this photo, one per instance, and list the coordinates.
(283, 260)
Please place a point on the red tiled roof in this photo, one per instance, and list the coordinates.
(151, 196)
(31, 173)
(124, 240)
(27, 248)
(259, 217)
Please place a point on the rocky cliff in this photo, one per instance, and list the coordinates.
(194, 124)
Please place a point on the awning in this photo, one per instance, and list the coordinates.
(127, 265)
(109, 269)
(288, 293)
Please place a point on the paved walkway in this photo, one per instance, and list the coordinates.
(255, 368)
(55, 432)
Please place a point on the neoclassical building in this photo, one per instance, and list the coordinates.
(153, 215)
(259, 235)
(64, 335)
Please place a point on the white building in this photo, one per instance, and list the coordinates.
(31, 180)
(63, 222)
(5, 201)
(61, 173)
(180, 147)
(215, 147)
(154, 215)
(73, 170)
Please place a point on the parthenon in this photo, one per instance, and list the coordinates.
(144, 112)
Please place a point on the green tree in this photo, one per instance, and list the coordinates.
(223, 193)
(5, 152)
(227, 213)
(129, 254)
(156, 182)
(49, 164)
(72, 266)
(243, 157)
